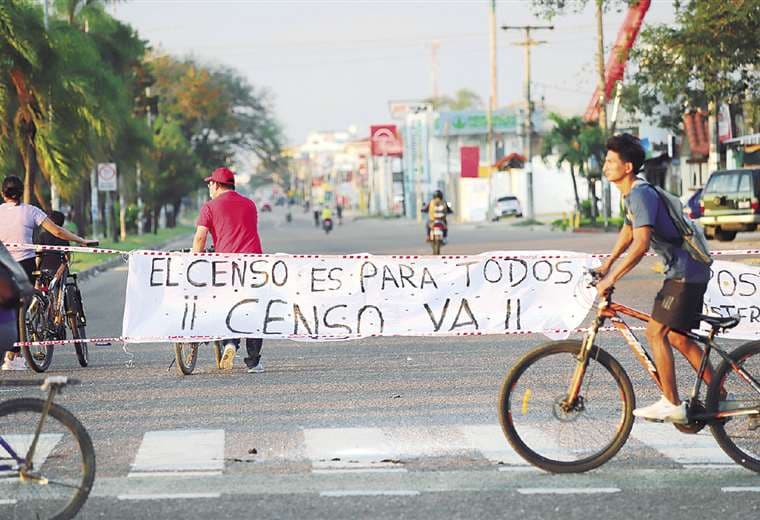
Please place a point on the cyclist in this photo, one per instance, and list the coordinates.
(679, 302)
(17, 224)
(232, 220)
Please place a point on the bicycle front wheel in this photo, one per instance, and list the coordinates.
(76, 322)
(59, 479)
(186, 354)
(560, 437)
(34, 325)
(738, 436)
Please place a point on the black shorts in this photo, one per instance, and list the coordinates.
(678, 304)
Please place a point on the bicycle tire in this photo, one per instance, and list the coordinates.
(76, 321)
(739, 429)
(436, 247)
(58, 417)
(186, 355)
(32, 326)
(567, 351)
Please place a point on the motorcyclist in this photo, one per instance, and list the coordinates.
(326, 213)
(437, 209)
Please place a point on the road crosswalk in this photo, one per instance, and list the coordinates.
(208, 452)
(362, 449)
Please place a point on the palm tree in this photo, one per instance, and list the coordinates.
(563, 140)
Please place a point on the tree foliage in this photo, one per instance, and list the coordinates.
(712, 54)
(463, 99)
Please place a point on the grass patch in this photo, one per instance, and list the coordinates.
(82, 261)
(528, 222)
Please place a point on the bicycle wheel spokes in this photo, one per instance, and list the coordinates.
(60, 476)
(740, 435)
(554, 434)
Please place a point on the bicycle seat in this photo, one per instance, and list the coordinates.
(719, 322)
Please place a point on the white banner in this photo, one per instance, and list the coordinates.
(322, 298)
(734, 289)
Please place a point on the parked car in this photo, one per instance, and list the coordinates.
(731, 203)
(691, 204)
(508, 206)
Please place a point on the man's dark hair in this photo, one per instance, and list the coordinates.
(57, 217)
(13, 188)
(629, 148)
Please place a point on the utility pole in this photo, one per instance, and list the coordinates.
(55, 199)
(492, 98)
(434, 45)
(528, 122)
(601, 87)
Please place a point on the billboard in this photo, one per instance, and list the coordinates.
(385, 141)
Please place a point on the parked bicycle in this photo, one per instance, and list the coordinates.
(47, 461)
(56, 305)
(567, 405)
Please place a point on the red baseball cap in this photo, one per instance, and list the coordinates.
(222, 176)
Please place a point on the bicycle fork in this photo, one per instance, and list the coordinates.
(574, 390)
(25, 472)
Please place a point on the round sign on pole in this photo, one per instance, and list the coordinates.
(107, 177)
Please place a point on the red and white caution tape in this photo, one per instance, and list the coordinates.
(72, 249)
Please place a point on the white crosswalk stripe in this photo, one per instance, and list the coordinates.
(369, 449)
(683, 449)
(180, 450)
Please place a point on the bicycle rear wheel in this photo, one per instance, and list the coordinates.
(76, 321)
(34, 326)
(738, 436)
(63, 469)
(543, 431)
(186, 354)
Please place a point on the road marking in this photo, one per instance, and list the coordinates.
(369, 493)
(566, 491)
(7, 501)
(741, 489)
(21, 442)
(691, 449)
(353, 447)
(169, 496)
(489, 440)
(141, 474)
(326, 471)
(180, 450)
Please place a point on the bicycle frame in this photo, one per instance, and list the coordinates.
(610, 310)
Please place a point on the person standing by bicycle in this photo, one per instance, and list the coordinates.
(232, 220)
(679, 301)
(17, 224)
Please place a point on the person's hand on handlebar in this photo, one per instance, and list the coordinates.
(604, 286)
(91, 243)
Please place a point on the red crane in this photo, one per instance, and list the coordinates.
(619, 55)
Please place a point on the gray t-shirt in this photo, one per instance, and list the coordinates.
(17, 223)
(643, 207)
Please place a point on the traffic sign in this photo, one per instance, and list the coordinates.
(107, 177)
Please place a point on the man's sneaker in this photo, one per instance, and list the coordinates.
(228, 357)
(258, 369)
(17, 363)
(663, 410)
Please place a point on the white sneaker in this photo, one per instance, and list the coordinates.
(258, 369)
(663, 410)
(228, 357)
(17, 363)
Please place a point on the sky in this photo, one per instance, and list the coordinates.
(333, 64)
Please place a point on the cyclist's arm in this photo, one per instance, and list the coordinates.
(199, 241)
(625, 237)
(62, 233)
(638, 247)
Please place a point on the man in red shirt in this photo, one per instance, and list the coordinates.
(232, 220)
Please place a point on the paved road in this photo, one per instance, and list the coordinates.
(378, 428)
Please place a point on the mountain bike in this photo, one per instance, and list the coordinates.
(55, 305)
(47, 461)
(567, 405)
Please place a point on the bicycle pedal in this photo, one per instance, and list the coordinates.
(658, 421)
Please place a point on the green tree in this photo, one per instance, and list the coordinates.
(710, 56)
(563, 140)
(463, 99)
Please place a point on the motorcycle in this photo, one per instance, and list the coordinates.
(437, 233)
(327, 225)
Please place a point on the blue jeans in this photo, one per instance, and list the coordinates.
(252, 346)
